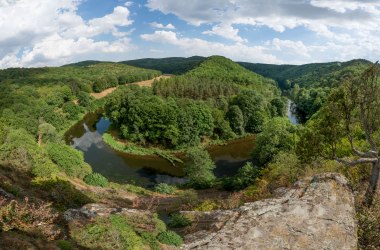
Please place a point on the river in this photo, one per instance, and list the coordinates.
(146, 171)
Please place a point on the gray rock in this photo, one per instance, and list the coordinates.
(317, 213)
(95, 209)
(5, 194)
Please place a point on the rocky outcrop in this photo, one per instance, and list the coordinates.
(94, 209)
(317, 213)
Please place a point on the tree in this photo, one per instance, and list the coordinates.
(359, 106)
(235, 116)
(199, 168)
(46, 133)
(278, 135)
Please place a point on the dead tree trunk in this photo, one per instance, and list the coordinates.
(373, 183)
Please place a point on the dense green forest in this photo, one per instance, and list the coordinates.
(308, 85)
(87, 78)
(214, 100)
(218, 99)
(170, 65)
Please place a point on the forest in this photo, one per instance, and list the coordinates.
(211, 100)
(217, 100)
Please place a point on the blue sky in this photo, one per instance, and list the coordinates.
(51, 32)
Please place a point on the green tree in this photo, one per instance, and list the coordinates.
(235, 116)
(199, 168)
(278, 135)
(47, 133)
(359, 105)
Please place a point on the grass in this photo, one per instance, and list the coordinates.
(134, 149)
(130, 188)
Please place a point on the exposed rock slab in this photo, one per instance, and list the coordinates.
(318, 213)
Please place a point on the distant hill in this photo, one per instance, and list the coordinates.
(84, 63)
(87, 76)
(216, 76)
(170, 65)
(221, 68)
(307, 75)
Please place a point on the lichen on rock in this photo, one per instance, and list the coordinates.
(317, 213)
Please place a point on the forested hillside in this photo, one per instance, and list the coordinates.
(169, 65)
(217, 99)
(309, 84)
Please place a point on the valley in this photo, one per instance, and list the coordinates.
(154, 148)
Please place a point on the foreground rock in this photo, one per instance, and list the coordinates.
(318, 213)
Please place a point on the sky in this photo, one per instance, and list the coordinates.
(35, 33)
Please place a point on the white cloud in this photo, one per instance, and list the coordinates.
(195, 46)
(156, 25)
(51, 32)
(342, 29)
(226, 31)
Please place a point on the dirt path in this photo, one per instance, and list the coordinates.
(147, 83)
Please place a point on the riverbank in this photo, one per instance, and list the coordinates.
(173, 156)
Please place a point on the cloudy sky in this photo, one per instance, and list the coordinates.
(54, 32)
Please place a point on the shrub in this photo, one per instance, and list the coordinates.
(246, 176)
(170, 238)
(179, 220)
(112, 232)
(150, 239)
(72, 110)
(164, 188)
(369, 226)
(62, 192)
(96, 179)
(159, 225)
(45, 169)
(28, 217)
(187, 198)
(70, 160)
(64, 245)
(207, 205)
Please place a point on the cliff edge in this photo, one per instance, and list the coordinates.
(317, 213)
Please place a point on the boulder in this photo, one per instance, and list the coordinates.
(317, 213)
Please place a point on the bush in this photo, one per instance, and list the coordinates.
(45, 169)
(170, 238)
(179, 220)
(206, 206)
(27, 217)
(96, 179)
(150, 239)
(164, 188)
(64, 245)
(112, 232)
(62, 192)
(72, 110)
(369, 226)
(187, 198)
(246, 176)
(69, 160)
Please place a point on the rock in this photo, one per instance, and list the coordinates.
(6, 195)
(94, 209)
(317, 213)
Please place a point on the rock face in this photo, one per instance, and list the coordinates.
(93, 210)
(317, 213)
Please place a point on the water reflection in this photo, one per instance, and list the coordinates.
(292, 112)
(145, 170)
